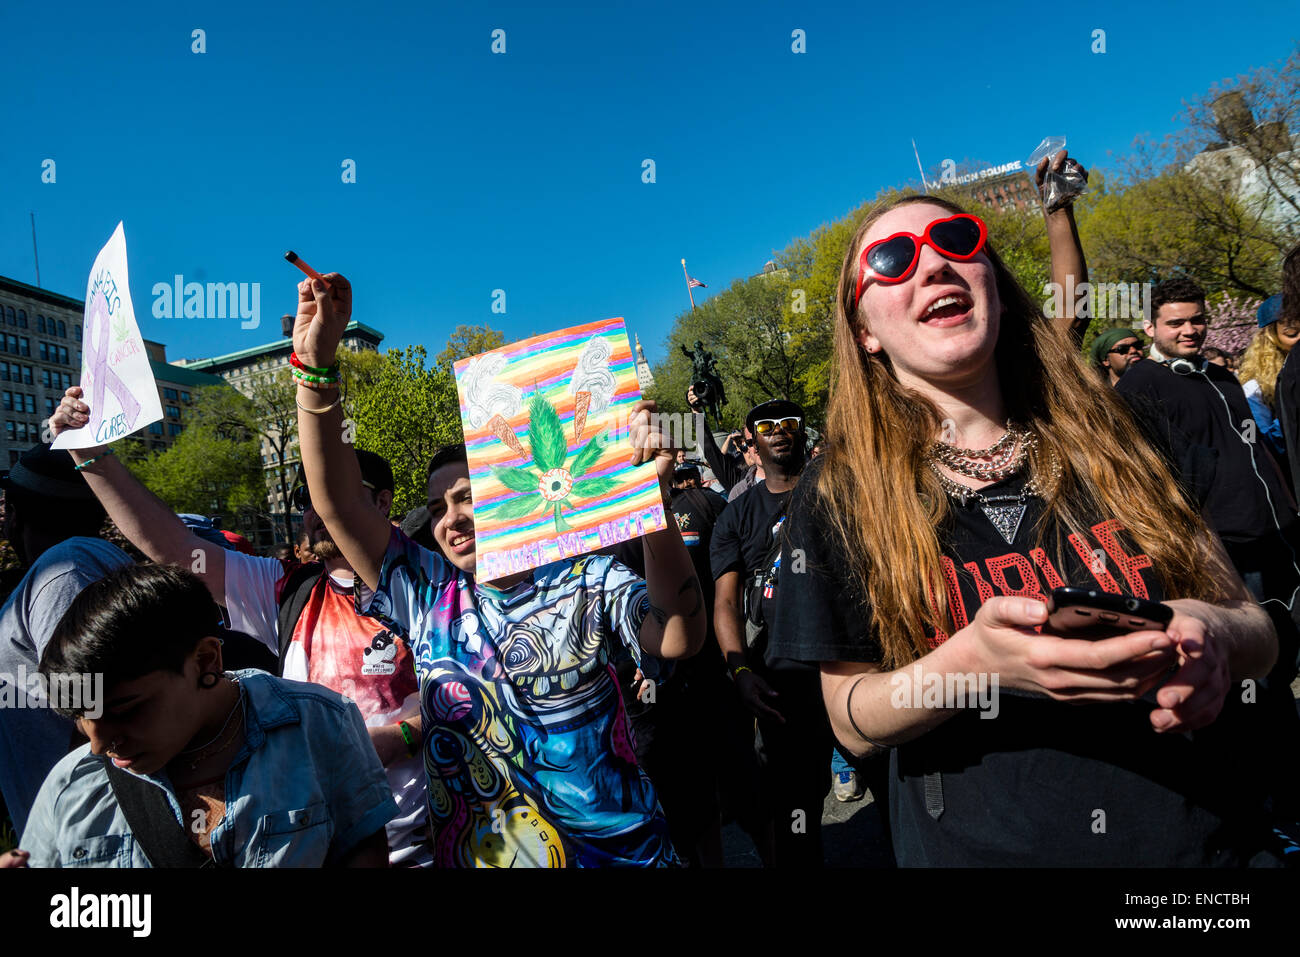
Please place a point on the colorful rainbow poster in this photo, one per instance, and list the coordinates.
(546, 429)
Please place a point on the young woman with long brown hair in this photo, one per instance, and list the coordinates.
(977, 465)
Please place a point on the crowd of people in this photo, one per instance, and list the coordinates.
(361, 699)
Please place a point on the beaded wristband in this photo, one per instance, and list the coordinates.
(308, 377)
(318, 386)
(316, 370)
(89, 462)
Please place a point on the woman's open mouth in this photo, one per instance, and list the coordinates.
(462, 543)
(949, 310)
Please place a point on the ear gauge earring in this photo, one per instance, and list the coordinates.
(209, 679)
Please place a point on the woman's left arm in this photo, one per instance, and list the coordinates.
(1069, 270)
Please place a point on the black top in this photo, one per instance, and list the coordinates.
(1026, 787)
(743, 535)
(727, 467)
(1286, 397)
(697, 511)
(742, 541)
(1248, 499)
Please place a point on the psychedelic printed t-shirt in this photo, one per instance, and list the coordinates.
(526, 743)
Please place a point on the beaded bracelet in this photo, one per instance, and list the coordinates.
(89, 462)
(307, 377)
(315, 370)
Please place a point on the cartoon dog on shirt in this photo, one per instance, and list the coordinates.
(378, 658)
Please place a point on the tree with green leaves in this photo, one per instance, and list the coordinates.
(210, 472)
(404, 411)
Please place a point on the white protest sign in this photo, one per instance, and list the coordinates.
(116, 381)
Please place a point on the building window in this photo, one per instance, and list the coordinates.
(31, 404)
(169, 394)
(24, 347)
(40, 323)
(11, 430)
(155, 428)
(7, 399)
(185, 397)
(45, 379)
(173, 429)
(45, 352)
(13, 456)
(9, 316)
(63, 355)
(50, 406)
(4, 371)
(78, 328)
(67, 381)
(22, 318)
(63, 330)
(173, 412)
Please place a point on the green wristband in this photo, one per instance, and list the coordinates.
(408, 737)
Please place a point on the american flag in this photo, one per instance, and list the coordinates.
(692, 282)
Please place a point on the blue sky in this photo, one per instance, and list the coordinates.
(522, 171)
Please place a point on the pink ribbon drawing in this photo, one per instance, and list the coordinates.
(100, 374)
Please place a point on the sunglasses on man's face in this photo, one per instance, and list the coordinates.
(1131, 347)
(892, 259)
(789, 424)
(300, 498)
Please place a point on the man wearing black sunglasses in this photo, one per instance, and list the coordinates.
(784, 695)
(1114, 350)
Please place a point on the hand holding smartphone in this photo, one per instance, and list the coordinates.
(1085, 613)
(1088, 613)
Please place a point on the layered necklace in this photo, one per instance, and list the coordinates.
(1003, 459)
(223, 738)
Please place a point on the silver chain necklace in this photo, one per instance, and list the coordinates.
(1005, 511)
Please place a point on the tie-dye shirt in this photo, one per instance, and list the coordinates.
(526, 742)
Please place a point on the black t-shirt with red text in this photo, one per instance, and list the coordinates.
(1044, 782)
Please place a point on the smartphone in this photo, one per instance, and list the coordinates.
(1088, 613)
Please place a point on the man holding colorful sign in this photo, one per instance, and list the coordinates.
(526, 741)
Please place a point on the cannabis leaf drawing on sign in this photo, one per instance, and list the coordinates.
(547, 482)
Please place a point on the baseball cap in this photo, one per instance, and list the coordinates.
(1270, 310)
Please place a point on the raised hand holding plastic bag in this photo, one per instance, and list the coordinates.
(1060, 183)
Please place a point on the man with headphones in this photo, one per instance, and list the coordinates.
(1184, 400)
(1202, 403)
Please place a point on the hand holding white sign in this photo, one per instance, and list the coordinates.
(115, 373)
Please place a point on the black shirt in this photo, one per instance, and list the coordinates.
(742, 540)
(1247, 499)
(1025, 787)
(1287, 398)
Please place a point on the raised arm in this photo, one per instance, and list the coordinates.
(146, 521)
(330, 464)
(675, 627)
(1068, 267)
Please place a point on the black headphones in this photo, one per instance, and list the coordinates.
(1185, 366)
